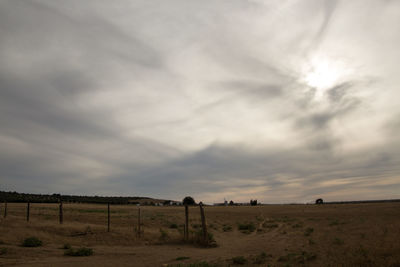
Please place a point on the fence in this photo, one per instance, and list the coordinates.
(130, 216)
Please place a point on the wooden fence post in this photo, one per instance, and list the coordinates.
(5, 208)
(186, 230)
(61, 212)
(108, 217)
(139, 229)
(203, 224)
(27, 211)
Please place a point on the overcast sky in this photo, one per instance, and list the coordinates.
(280, 101)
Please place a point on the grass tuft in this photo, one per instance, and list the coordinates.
(239, 260)
(173, 226)
(260, 258)
(196, 264)
(3, 251)
(182, 258)
(247, 227)
(79, 252)
(227, 228)
(270, 225)
(32, 242)
(309, 231)
(66, 246)
(338, 241)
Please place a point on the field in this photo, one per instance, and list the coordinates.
(270, 235)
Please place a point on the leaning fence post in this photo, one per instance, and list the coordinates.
(186, 230)
(108, 217)
(61, 212)
(27, 211)
(5, 208)
(203, 224)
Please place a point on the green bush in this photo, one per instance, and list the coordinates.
(298, 258)
(338, 241)
(227, 228)
(182, 258)
(66, 246)
(239, 260)
(270, 225)
(163, 235)
(308, 231)
(197, 264)
(297, 225)
(3, 251)
(247, 227)
(79, 252)
(198, 235)
(32, 242)
(260, 259)
(173, 226)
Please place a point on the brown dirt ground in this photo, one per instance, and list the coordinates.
(288, 235)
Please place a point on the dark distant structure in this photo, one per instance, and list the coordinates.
(253, 202)
(319, 201)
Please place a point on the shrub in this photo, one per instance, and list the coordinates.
(66, 246)
(239, 260)
(247, 227)
(196, 264)
(308, 231)
(334, 222)
(196, 225)
(260, 259)
(182, 258)
(338, 241)
(213, 226)
(32, 242)
(297, 225)
(3, 251)
(227, 228)
(270, 225)
(79, 252)
(298, 258)
(163, 235)
(198, 235)
(173, 226)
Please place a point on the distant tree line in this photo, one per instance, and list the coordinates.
(54, 198)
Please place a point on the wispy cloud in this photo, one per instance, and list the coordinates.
(211, 99)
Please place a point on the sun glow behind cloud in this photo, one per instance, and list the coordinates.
(323, 73)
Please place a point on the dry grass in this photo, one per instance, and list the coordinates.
(284, 235)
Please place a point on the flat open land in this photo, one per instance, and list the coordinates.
(274, 235)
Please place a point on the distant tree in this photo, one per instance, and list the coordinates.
(188, 201)
(231, 203)
(319, 201)
(253, 202)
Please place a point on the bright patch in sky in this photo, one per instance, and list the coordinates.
(324, 73)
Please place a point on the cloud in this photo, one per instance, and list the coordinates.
(167, 99)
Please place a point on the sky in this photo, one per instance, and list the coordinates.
(279, 101)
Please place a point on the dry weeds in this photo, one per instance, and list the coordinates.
(275, 235)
